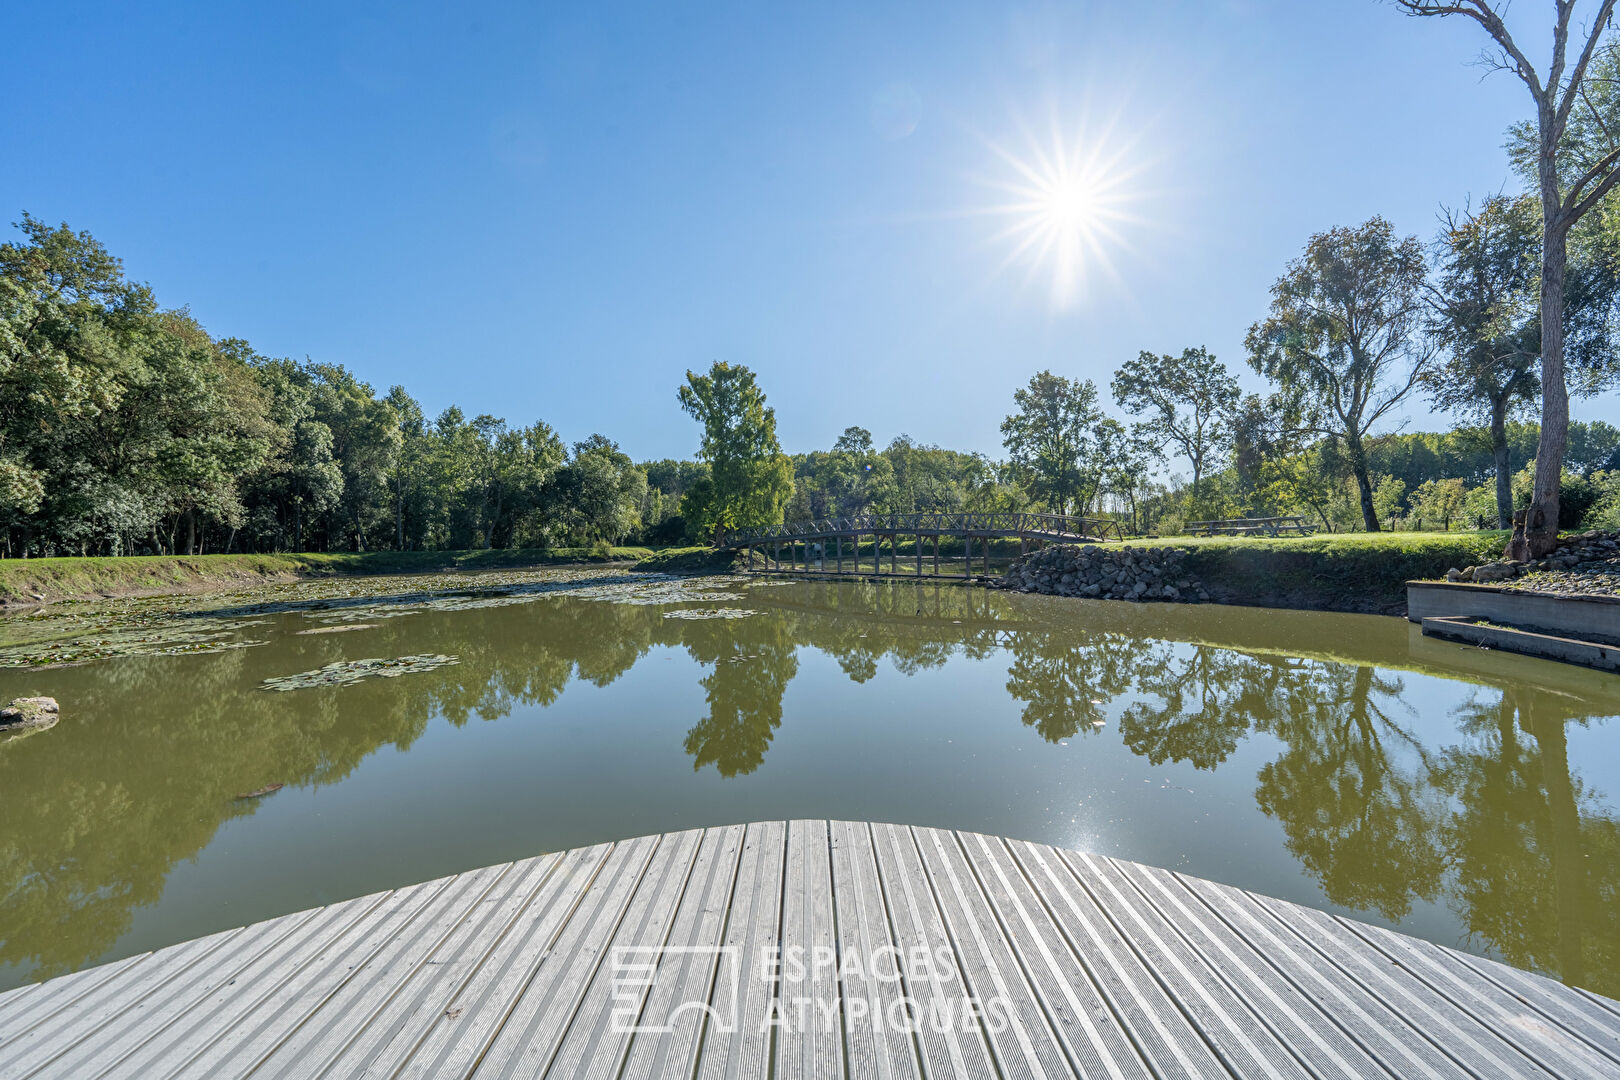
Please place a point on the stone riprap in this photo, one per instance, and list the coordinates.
(1586, 562)
(28, 714)
(1105, 573)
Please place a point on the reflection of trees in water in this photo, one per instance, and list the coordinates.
(1066, 685)
(1361, 821)
(1202, 704)
(744, 690)
(1535, 854)
(154, 750)
(1497, 826)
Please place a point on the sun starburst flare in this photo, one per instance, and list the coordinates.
(1068, 206)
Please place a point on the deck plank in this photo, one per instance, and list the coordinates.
(946, 1049)
(759, 950)
(1161, 1031)
(671, 1020)
(737, 1045)
(1464, 1038)
(870, 975)
(516, 977)
(1225, 1019)
(382, 998)
(1366, 1020)
(1292, 1017)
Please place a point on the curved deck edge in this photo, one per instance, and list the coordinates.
(816, 948)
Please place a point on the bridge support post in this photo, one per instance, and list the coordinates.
(776, 555)
(840, 553)
(936, 554)
(967, 555)
(987, 556)
(919, 554)
(894, 553)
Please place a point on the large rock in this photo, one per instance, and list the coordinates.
(29, 714)
(1125, 573)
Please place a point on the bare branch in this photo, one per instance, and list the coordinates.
(1480, 11)
(1599, 24)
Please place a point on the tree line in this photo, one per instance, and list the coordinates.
(125, 428)
(1363, 324)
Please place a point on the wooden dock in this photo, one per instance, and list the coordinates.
(923, 953)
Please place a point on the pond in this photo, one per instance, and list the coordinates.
(1342, 761)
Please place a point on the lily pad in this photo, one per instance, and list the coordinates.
(344, 672)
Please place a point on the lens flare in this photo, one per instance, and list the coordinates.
(1068, 203)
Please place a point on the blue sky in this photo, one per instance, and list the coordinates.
(552, 211)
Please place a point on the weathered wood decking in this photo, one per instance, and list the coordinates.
(654, 957)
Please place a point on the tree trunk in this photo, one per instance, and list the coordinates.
(1564, 852)
(489, 529)
(1358, 465)
(1504, 474)
(191, 532)
(1541, 521)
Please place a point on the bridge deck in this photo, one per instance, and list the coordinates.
(580, 963)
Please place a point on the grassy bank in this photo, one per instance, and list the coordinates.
(26, 581)
(688, 560)
(1337, 572)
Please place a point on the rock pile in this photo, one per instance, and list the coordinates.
(1586, 562)
(28, 714)
(1111, 573)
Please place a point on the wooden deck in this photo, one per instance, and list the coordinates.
(666, 955)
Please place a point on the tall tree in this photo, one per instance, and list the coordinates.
(1346, 335)
(1577, 163)
(1187, 399)
(1486, 320)
(1051, 435)
(750, 479)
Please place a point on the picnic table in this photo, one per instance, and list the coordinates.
(1263, 526)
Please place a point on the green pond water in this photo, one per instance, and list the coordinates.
(1343, 761)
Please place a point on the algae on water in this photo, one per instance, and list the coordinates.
(344, 672)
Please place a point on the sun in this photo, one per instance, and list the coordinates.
(1068, 202)
(1071, 205)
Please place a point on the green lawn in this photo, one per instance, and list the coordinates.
(24, 580)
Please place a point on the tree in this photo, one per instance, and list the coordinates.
(749, 478)
(67, 319)
(600, 491)
(1440, 500)
(1187, 398)
(1485, 318)
(1128, 465)
(1577, 163)
(1345, 335)
(1054, 428)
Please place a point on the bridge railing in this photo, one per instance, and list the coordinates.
(999, 524)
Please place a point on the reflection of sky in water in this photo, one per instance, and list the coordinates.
(1381, 789)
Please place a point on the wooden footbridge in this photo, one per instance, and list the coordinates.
(827, 949)
(820, 546)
